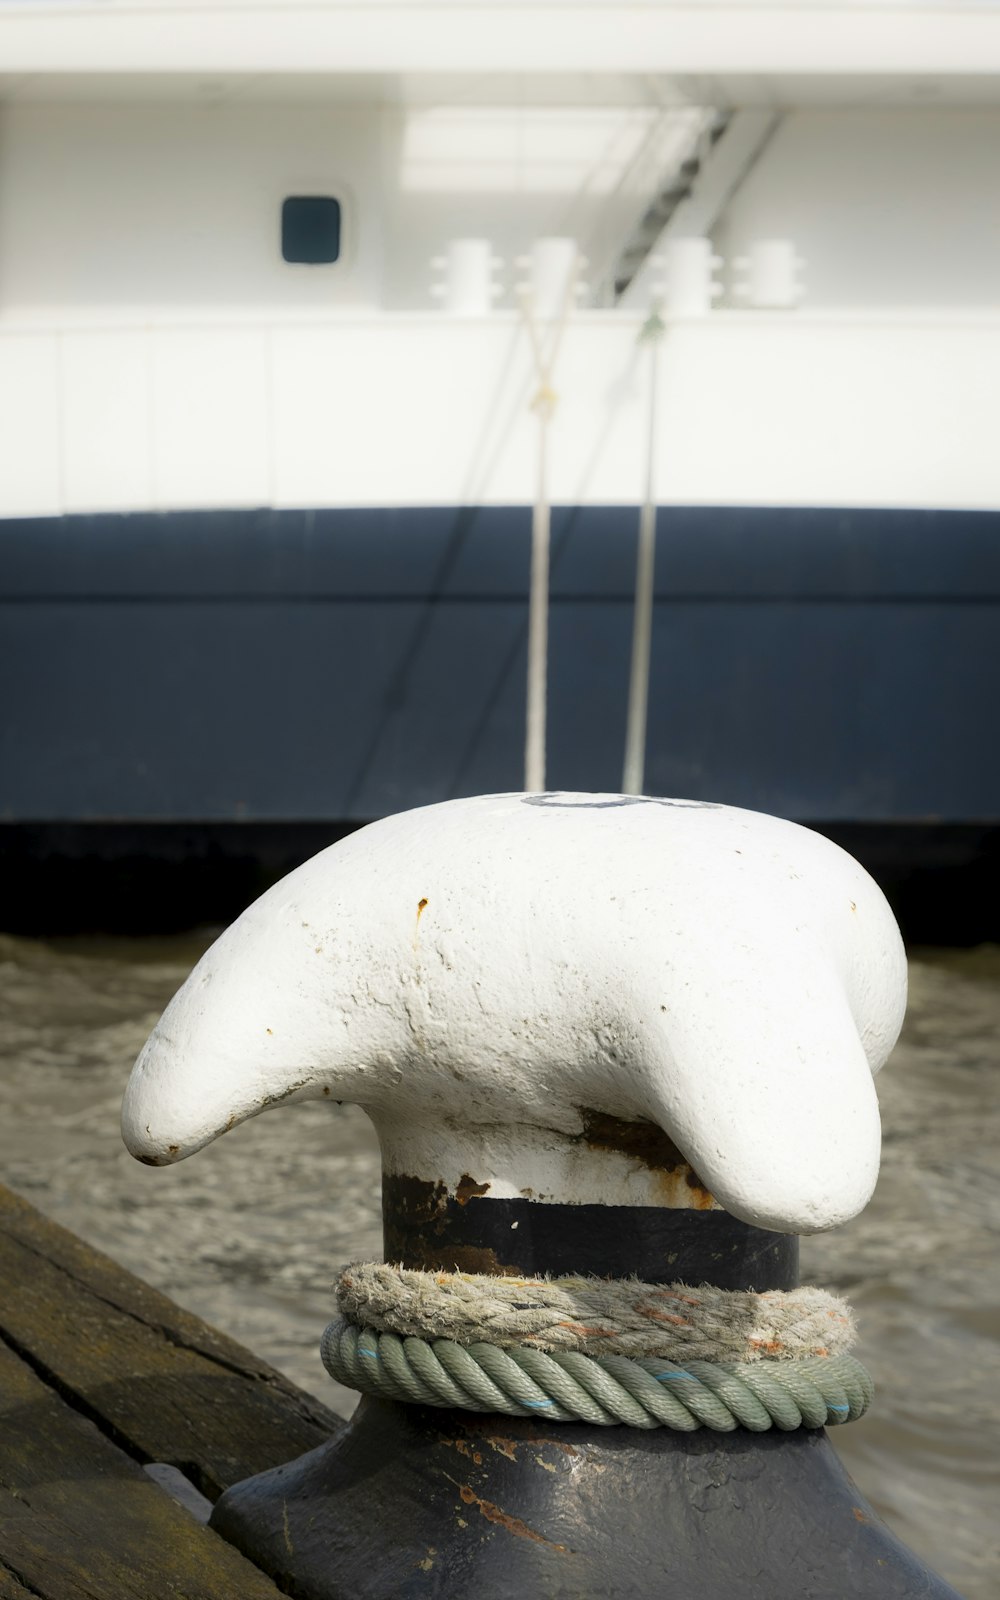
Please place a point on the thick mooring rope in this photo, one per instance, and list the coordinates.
(660, 1356)
(596, 1316)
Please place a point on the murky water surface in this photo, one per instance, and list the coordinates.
(249, 1232)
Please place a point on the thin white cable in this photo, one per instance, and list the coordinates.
(538, 597)
(633, 772)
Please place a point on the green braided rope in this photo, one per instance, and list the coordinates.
(565, 1386)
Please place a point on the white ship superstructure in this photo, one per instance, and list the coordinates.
(146, 310)
(166, 352)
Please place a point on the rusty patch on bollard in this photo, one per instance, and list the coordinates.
(418, 1217)
(645, 1142)
(468, 1189)
(477, 1258)
(704, 1199)
(482, 1431)
(417, 1202)
(465, 1449)
(509, 1447)
(503, 1519)
(642, 1141)
(503, 1446)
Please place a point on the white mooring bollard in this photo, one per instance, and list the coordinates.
(619, 1052)
(476, 972)
(769, 276)
(688, 270)
(464, 279)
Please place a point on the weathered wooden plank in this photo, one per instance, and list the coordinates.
(79, 1520)
(159, 1381)
(10, 1589)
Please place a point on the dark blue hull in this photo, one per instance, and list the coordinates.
(331, 666)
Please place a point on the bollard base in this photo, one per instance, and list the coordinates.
(410, 1501)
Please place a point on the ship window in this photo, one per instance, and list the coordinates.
(310, 229)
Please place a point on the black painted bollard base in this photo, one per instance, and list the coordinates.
(414, 1501)
(410, 1501)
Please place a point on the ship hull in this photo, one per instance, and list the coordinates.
(334, 665)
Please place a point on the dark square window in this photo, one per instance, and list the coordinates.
(310, 229)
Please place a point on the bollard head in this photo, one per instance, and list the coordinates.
(545, 995)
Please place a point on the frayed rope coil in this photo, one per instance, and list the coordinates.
(597, 1350)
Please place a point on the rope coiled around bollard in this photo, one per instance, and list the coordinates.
(659, 1389)
(607, 1390)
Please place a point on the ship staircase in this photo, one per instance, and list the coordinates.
(693, 195)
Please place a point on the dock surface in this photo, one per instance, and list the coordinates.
(102, 1378)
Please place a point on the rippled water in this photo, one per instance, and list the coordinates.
(249, 1232)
